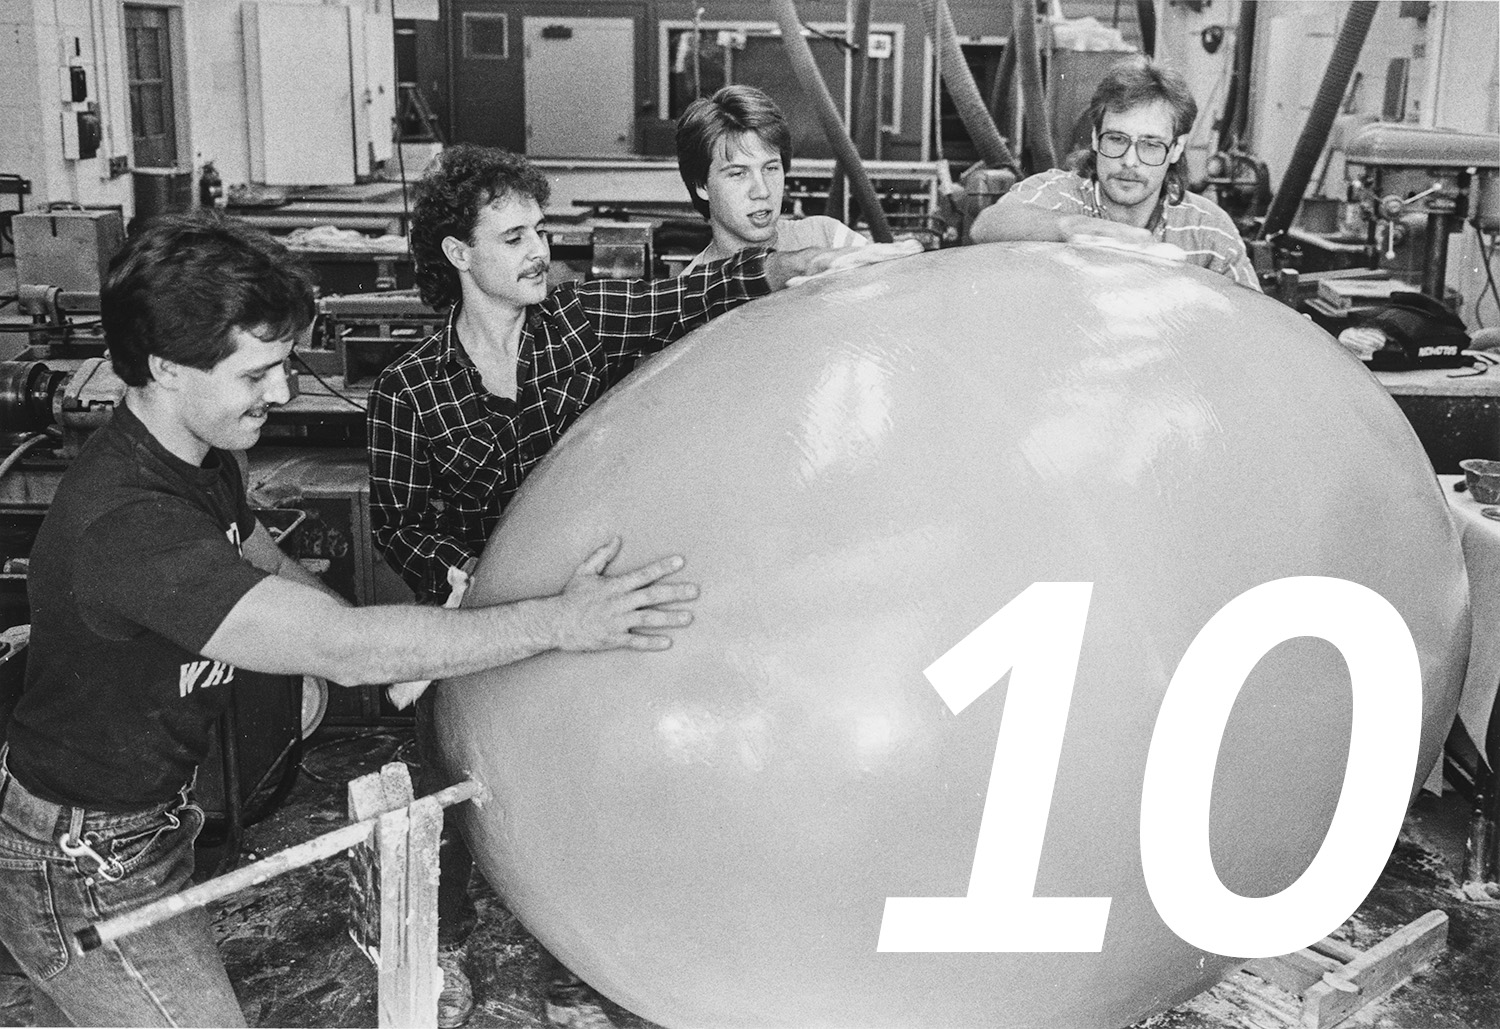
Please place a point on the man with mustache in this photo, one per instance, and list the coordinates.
(153, 585)
(456, 423)
(1130, 186)
(733, 150)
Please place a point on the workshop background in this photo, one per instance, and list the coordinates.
(310, 119)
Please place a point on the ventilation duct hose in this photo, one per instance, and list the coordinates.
(811, 81)
(971, 109)
(1003, 76)
(1145, 13)
(1320, 119)
(1038, 128)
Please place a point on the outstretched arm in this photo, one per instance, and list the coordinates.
(791, 267)
(1012, 219)
(285, 627)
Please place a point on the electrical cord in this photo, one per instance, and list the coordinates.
(15, 455)
(1488, 257)
(342, 396)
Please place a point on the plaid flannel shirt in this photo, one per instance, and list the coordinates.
(446, 455)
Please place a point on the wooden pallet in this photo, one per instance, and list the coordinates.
(1333, 980)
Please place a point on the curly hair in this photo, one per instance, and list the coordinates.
(179, 289)
(1133, 83)
(732, 112)
(463, 181)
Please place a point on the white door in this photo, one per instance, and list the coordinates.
(580, 86)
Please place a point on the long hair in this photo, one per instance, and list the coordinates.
(1133, 83)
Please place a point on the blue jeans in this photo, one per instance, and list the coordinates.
(167, 975)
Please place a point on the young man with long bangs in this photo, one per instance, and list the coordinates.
(734, 150)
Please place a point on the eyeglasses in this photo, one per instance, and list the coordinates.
(1151, 152)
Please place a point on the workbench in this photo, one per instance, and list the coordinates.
(1455, 412)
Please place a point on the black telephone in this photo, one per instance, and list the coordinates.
(1420, 332)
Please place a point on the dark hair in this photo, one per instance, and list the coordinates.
(180, 288)
(709, 121)
(1133, 83)
(462, 182)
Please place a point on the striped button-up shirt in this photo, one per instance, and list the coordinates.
(446, 455)
(1199, 226)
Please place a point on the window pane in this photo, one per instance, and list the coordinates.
(484, 35)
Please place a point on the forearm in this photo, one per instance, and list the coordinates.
(284, 628)
(399, 643)
(1020, 221)
(633, 317)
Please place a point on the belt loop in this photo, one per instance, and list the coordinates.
(75, 823)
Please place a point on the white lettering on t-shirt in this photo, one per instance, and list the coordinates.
(188, 675)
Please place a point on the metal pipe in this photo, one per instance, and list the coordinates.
(1237, 104)
(1038, 128)
(1435, 261)
(961, 87)
(1145, 14)
(811, 81)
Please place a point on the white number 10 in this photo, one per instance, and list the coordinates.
(1037, 638)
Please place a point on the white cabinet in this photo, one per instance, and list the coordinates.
(320, 93)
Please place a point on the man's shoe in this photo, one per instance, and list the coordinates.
(572, 1005)
(456, 996)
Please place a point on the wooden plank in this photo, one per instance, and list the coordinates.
(91, 937)
(366, 800)
(371, 796)
(1296, 972)
(394, 1001)
(420, 938)
(1336, 949)
(1377, 971)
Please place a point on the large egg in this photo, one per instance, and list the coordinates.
(860, 471)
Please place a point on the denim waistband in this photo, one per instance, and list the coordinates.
(43, 819)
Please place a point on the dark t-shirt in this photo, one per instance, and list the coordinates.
(135, 566)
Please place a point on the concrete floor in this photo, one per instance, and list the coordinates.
(287, 949)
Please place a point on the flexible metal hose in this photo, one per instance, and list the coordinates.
(1000, 89)
(1038, 128)
(811, 81)
(15, 455)
(961, 87)
(1320, 119)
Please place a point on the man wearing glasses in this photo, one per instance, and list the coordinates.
(1131, 185)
